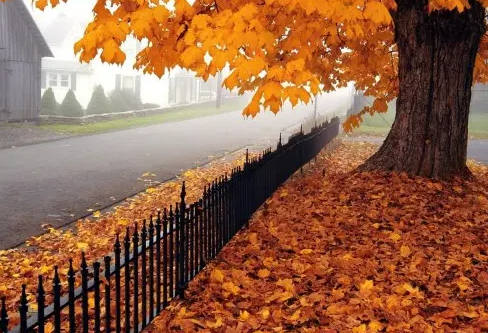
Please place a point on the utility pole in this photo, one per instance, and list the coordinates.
(315, 109)
(219, 90)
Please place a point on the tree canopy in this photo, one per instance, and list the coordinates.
(284, 50)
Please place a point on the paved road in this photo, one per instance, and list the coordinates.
(477, 149)
(57, 182)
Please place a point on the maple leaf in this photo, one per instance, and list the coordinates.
(82, 246)
(231, 287)
(367, 285)
(395, 237)
(405, 251)
(377, 12)
(244, 315)
(263, 273)
(253, 238)
(287, 284)
(217, 275)
(463, 283)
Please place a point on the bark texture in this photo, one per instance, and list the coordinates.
(437, 54)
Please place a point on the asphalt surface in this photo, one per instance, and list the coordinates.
(57, 182)
(477, 149)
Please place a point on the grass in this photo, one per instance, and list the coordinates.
(380, 124)
(189, 112)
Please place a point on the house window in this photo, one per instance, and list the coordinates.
(64, 80)
(58, 80)
(53, 80)
(128, 83)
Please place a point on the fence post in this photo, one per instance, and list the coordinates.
(108, 316)
(84, 292)
(118, 312)
(182, 249)
(23, 308)
(57, 297)
(4, 315)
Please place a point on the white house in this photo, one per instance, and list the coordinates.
(64, 71)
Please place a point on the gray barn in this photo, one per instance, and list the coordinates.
(22, 47)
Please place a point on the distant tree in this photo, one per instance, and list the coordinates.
(99, 102)
(124, 100)
(49, 106)
(70, 107)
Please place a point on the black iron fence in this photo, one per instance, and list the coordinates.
(153, 263)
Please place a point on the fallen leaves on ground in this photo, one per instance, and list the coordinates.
(95, 237)
(350, 252)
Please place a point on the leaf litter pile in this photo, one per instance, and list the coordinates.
(342, 251)
(95, 237)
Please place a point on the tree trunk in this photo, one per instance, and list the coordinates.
(437, 53)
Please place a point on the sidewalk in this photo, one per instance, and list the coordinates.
(349, 252)
(16, 135)
(477, 149)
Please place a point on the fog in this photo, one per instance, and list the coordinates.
(57, 167)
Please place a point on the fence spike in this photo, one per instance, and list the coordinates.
(158, 219)
(4, 315)
(158, 260)
(144, 228)
(151, 268)
(71, 297)
(144, 272)
(183, 192)
(127, 236)
(117, 243)
(40, 305)
(135, 264)
(57, 297)
(117, 251)
(127, 281)
(84, 295)
(96, 285)
(108, 316)
(23, 308)
(171, 234)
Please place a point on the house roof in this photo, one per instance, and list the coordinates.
(55, 64)
(61, 27)
(44, 49)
